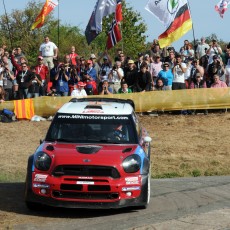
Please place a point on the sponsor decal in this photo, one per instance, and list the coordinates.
(132, 182)
(40, 177)
(93, 111)
(173, 6)
(85, 177)
(131, 178)
(92, 117)
(85, 182)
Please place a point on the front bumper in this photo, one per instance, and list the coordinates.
(123, 193)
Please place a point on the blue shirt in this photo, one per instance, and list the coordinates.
(166, 76)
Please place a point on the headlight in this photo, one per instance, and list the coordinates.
(42, 161)
(132, 163)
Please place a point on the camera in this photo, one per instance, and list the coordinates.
(114, 67)
(104, 88)
(85, 72)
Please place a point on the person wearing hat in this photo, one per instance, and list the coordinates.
(106, 65)
(43, 71)
(130, 75)
(79, 91)
(96, 66)
(166, 75)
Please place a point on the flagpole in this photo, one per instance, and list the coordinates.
(194, 39)
(7, 22)
(58, 25)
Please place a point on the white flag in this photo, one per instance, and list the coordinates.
(221, 7)
(165, 10)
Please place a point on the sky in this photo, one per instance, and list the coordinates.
(206, 20)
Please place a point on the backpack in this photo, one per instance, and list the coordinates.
(7, 116)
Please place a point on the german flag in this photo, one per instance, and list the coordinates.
(181, 24)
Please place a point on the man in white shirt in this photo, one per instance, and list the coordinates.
(115, 76)
(49, 51)
(201, 48)
(179, 70)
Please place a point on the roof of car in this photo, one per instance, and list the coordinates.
(102, 106)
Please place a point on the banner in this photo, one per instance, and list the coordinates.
(47, 8)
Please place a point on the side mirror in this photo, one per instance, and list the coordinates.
(147, 139)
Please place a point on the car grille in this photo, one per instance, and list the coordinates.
(85, 170)
(85, 195)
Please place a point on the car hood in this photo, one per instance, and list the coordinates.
(103, 154)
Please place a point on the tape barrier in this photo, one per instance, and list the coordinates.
(216, 98)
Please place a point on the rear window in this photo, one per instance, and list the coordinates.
(78, 128)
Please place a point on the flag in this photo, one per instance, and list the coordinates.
(175, 16)
(102, 9)
(118, 12)
(47, 8)
(24, 109)
(114, 35)
(221, 7)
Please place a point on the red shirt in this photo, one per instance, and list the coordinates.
(73, 58)
(43, 71)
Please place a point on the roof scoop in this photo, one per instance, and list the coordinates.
(88, 149)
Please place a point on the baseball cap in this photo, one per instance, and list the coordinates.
(130, 62)
(105, 58)
(92, 56)
(40, 57)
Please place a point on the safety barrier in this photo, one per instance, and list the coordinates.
(147, 101)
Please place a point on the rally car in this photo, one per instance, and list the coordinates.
(95, 155)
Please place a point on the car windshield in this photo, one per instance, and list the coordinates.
(92, 129)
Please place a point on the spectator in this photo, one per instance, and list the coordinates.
(73, 55)
(139, 61)
(202, 48)
(188, 52)
(122, 59)
(74, 79)
(155, 68)
(215, 68)
(90, 78)
(105, 89)
(115, 76)
(214, 49)
(143, 79)
(79, 91)
(53, 73)
(124, 88)
(82, 68)
(130, 75)
(106, 65)
(187, 74)
(18, 54)
(7, 78)
(218, 83)
(196, 68)
(2, 94)
(95, 66)
(23, 78)
(166, 75)
(7, 61)
(49, 51)
(43, 71)
(62, 78)
(197, 82)
(178, 71)
(35, 81)
(171, 59)
(159, 85)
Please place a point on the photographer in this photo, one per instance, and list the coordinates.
(7, 78)
(62, 78)
(216, 68)
(90, 78)
(105, 90)
(179, 70)
(35, 82)
(115, 76)
(214, 49)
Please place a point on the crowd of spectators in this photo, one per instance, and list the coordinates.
(207, 66)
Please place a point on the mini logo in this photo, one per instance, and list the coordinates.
(173, 6)
(86, 160)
